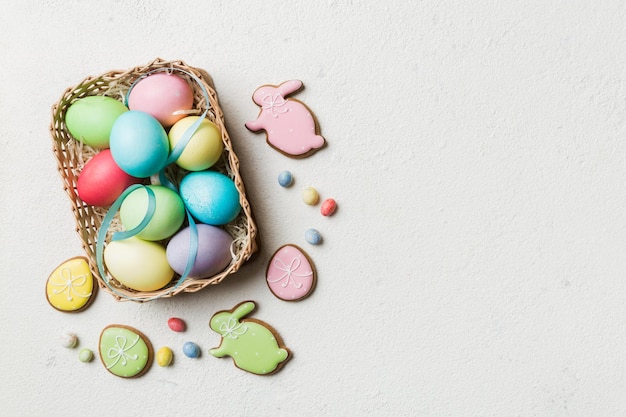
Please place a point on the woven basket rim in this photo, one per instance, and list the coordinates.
(70, 156)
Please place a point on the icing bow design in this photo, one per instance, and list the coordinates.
(118, 352)
(274, 104)
(69, 284)
(289, 272)
(232, 328)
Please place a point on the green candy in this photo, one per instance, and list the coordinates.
(91, 118)
(125, 351)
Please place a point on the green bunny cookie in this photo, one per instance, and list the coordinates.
(254, 346)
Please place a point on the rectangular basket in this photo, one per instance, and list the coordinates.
(71, 156)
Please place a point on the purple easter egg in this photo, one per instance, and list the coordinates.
(213, 251)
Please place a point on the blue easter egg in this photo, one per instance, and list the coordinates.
(191, 350)
(139, 144)
(210, 197)
(313, 237)
(285, 179)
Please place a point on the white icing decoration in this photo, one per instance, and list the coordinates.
(118, 352)
(70, 283)
(232, 329)
(289, 272)
(272, 103)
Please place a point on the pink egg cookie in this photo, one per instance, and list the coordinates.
(290, 274)
(289, 124)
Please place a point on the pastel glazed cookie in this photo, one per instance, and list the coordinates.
(125, 351)
(291, 274)
(70, 286)
(289, 124)
(254, 345)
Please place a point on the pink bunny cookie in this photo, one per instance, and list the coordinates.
(289, 124)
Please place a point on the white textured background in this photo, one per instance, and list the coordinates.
(476, 265)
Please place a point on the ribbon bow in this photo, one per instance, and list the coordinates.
(118, 352)
(274, 103)
(232, 329)
(70, 284)
(289, 272)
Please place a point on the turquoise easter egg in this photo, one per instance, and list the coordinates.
(210, 197)
(139, 144)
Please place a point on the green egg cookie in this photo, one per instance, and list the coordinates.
(124, 351)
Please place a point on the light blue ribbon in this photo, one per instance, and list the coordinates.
(108, 218)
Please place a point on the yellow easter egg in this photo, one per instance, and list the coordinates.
(203, 149)
(70, 287)
(138, 264)
(164, 356)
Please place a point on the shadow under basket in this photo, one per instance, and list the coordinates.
(72, 155)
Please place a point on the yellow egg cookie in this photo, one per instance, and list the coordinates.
(70, 287)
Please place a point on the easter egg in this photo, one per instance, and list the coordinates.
(138, 264)
(203, 149)
(101, 180)
(191, 350)
(210, 197)
(169, 212)
(85, 355)
(213, 251)
(310, 196)
(176, 324)
(285, 179)
(290, 274)
(313, 236)
(91, 118)
(139, 144)
(165, 96)
(164, 356)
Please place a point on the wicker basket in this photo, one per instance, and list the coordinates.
(71, 156)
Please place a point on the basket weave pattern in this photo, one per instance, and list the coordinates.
(71, 156)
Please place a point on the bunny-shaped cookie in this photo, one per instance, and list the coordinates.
(289, 124)
(253, 344)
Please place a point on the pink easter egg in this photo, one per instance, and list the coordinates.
(167, 97)
(290, 274)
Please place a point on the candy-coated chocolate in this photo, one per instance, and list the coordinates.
(168, 216)
(176, 324)
(85, 355)
(125, 351)
(313, 237)
(290, 273)
(91, 118)
(164, 356)
(254, 346)
(70, 286)
(203, 149)
(211, 197)
(285, 179)
(191, 350)
(328, 207)
(101, 180)
(139, 144)
(138, 264)
(69, 340)
(213, 253)
(310, 196)
(165, 96)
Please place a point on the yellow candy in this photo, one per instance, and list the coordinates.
(164, 356)
(70, 286)
(310, 196)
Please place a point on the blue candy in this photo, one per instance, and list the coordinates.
(313, 237)
(285, 179)
(191, 350)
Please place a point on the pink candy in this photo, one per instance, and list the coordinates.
(176, 324)
(328, 207)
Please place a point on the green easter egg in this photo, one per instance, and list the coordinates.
(125, 351)
(91, 118)
(168, 216)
